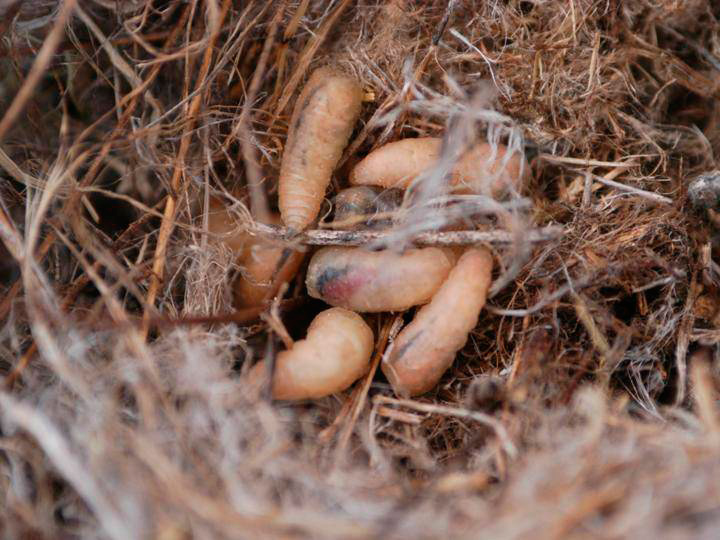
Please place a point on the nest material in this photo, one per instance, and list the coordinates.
(584, 402)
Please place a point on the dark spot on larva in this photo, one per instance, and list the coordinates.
(428, 324)
(329, 276)
(303, 108)
(402, 350)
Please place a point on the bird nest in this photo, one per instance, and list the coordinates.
(584, 402)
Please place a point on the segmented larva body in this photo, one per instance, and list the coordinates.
(356, 207)
(258, 258)
(321, 124)
(374, 281)
(480, 170)
(260, 278)
(335, 353)
(426, 348)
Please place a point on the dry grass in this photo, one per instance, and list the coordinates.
(585, 403)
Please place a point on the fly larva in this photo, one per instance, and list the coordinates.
(224, 227)
(335, 353)
(365, 206)
(259, 258)
(373, 281)
(482, 163)
(263, 271)
(426, 348)
(398, 164)
(321, 124)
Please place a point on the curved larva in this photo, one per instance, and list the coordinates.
(426, 348)
(373, 281)
(259, 279)
(321, 124)
(398, 164)
(335, 353)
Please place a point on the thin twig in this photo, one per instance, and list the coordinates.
(308, 53)
(167, 225)
(549, 299)
(444, 21)
(444, 238)
(258, 200)
(477, 416)
(389, 331)
(683, 340)
(273, 320)
(42, 61)
(586, 162)
(636, 191)
(713, 60)
(118, 61)
(656, 283)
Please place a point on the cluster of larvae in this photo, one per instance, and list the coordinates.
(451, 284)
